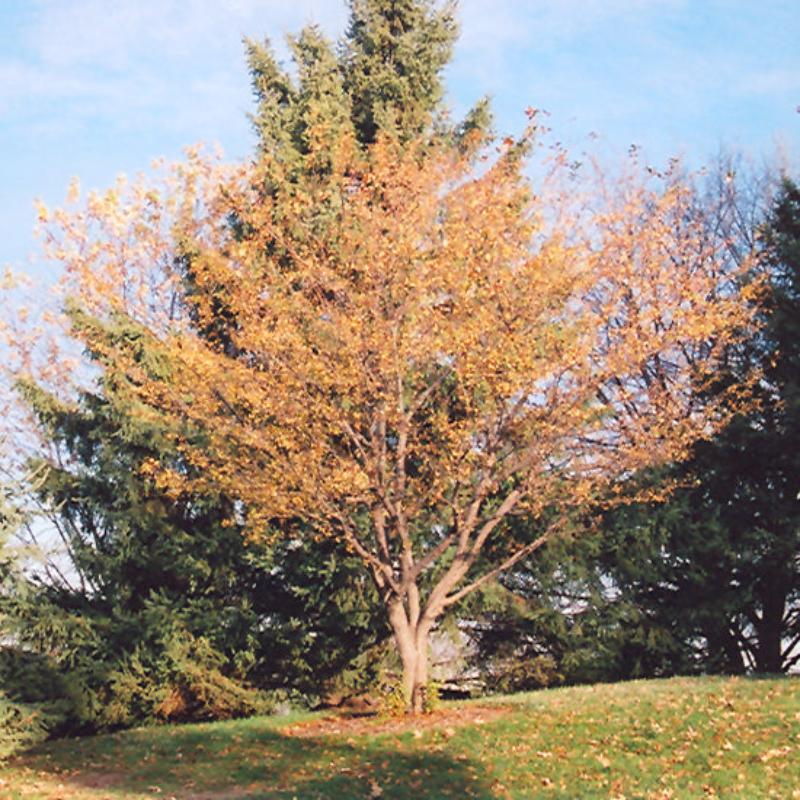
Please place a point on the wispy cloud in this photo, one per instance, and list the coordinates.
(545, 24)
(136, 62)
(98, 86)
(177, 66)
(772, 81)
(92, 31)
(671, 74)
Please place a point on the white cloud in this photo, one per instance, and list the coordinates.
(97, 32)
(138, 62)
(772, 81)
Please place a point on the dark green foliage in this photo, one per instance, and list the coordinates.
(324, 630)
(35, 682)
(386, 76)
(146, 573)
(165, 611)
(21, 726)
(394, 54)
(563, 618)
(33, 702)
(183, 679)
(727, 559)
(10, 521)
(746, 502)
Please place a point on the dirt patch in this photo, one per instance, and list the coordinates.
(65, 784)
(103, 780)
(373, 725)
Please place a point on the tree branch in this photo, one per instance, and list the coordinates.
(507, 564)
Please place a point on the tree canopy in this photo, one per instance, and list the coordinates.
(381, 334)
(448, 349)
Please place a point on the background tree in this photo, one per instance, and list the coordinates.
(386, 77)
(707, 581)
(137, 578)
(731, 552)
(570, 615)
(140, 570)
(153, 607)
(27, 713)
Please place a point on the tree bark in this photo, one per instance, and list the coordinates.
(412, 644)
(769, 629)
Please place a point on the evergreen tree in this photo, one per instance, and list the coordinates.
(394, 55)
(167, 613)
(747, 497)
(726, 550)
(158, 583)
(28, 712)
(145, 576)
(387, 75)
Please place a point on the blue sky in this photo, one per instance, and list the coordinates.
(98, 87)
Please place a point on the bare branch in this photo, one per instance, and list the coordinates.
(500, 568)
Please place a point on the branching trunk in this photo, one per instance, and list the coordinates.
(411, 619)
(412, 644)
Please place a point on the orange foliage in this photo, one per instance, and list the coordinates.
(417, 339)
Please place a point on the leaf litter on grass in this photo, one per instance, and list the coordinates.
(677, 739)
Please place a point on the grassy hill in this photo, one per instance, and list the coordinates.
(679, 738)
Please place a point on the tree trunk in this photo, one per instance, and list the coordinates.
(734, 658)
(412, 644)
(415, 673)
(769, 629)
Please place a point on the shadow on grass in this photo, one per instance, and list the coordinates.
(254, 759)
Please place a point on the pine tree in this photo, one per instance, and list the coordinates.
(386, 76)
(165, 612)
(748, 475)
(147, 568)
(726, 551)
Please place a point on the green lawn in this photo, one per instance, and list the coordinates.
(680, 738)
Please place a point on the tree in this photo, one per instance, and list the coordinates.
(141, 566)
(737, 525)
(387, 77)
(24, 720)
(591, 605)
(143, 584)
(136, 579)
(454, 350)
(709, 580)
(770, 496)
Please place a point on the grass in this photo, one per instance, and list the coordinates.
(678, 738)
